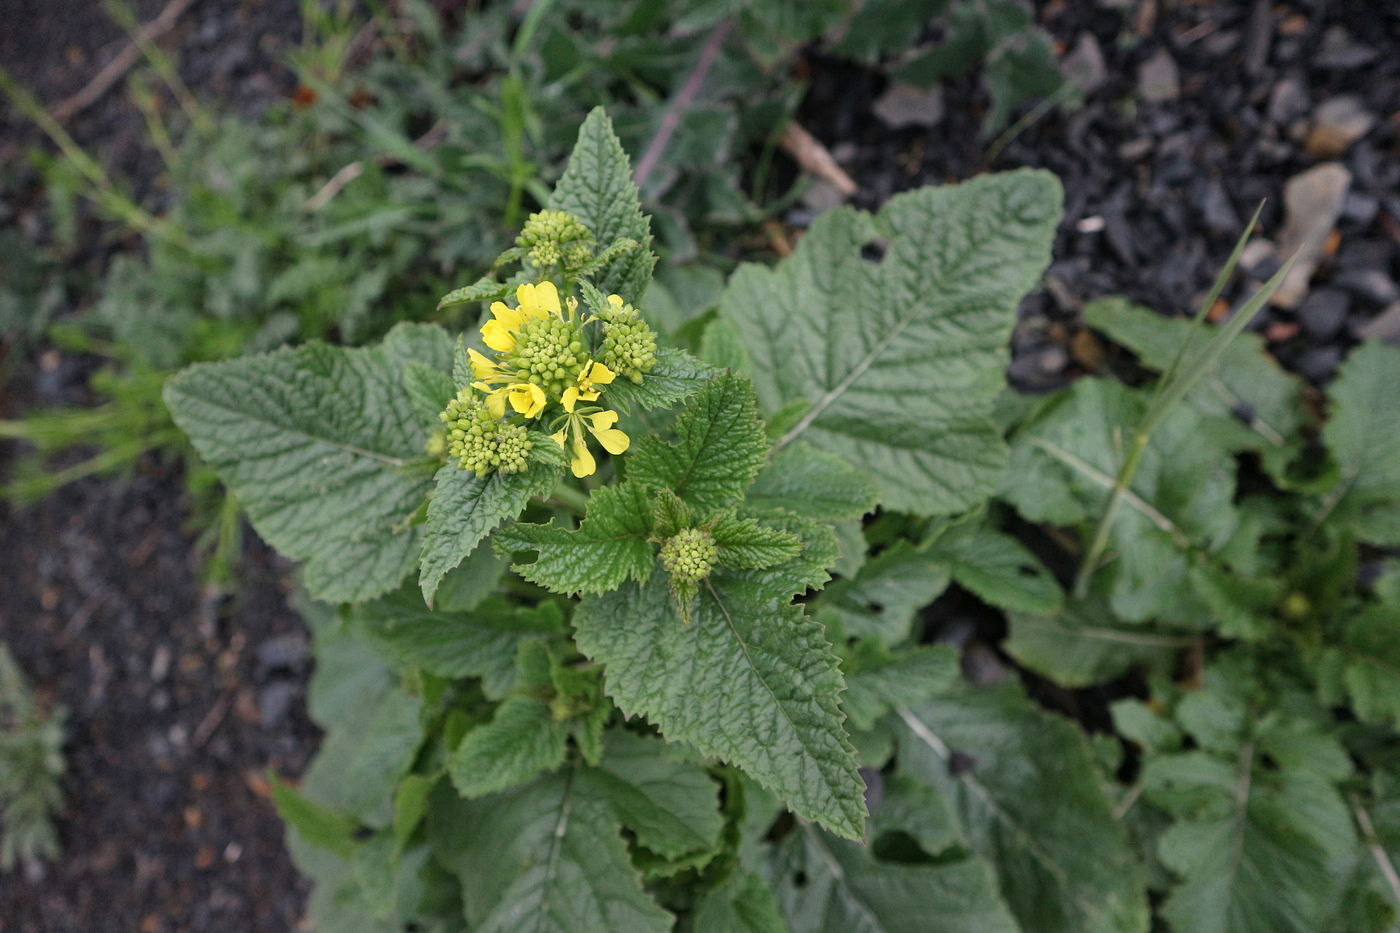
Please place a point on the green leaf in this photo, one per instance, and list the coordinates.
(1063, 464)
(1257, 851)
(410, 803)
(901, 360)
(676, 375)
(750, 680)
(1026, 792)
(483, 289)
(744, 544)
(1363, 664)
(719, 448)
(430, 389)
(807, 569)
(997, 569)
(1245, 395)
(884, 595)
(465, 508)
(481, 643)
(319, 825)
(386, 746)
(549, 854)
(1085, 645)
(1364, 438)
(597, 189)
(828, 885)
(812, 483)
(877, 681)
(314, 442)
(743, 904)
(522, 740)
(610, 546)
(670, 805)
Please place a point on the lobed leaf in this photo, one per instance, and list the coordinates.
(316, 443)
(522, 740)
(900, 361)
(1364, 438)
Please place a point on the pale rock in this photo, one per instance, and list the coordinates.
(1158, 79)
(1084, 66)
(903, 105)
(1312, 202)
(1336, 124)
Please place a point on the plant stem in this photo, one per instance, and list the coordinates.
(1105, 526)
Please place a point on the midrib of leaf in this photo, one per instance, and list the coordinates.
(300, 432)
(1146, 508)
(556, 846)
(743, 645)
(926, 735)
(839, 874)
(1242, 788)
(1134, 638)
(841, 387)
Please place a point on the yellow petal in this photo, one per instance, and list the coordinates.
(527, 398)
(570, 399)
(615, 301)
(597, 372)
(583, 463)
(510, 318)
(539, 300)
(496, 403)
(558, 437)
(603, 420)
(613, 440)
(482, 368)
(498, 336)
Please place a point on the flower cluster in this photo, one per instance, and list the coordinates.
(544, 367)
(689, 555)
(556, 240)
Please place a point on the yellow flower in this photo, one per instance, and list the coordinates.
(600, 424)
(487, 372)
(594, 373)
(536, 301)
(526, 398)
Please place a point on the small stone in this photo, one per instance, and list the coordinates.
(1361, 208)
(1135, 149)
(1339, 51)
(981, 665)
(821, 196)
(1336, 124)
(282, 653)
(903, 105)
(1324, 312)
(1288, 101)
(1216, 209)
(1384, 326)
(1318, 364)
(1158, 79)
(1371, 284)
(1312, 202)
(1256, 252)
(274, 701)
(1084, 66)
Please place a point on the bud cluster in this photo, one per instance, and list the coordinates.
(548, 352)
(689, 555)
(479, 442)
(629, 345)
(556, 238)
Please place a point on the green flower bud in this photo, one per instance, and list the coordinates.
(480, 443)
(556, 238)
(689, 556)
(629, 345)
(547, 351)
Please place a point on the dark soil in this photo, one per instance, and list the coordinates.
(180, 701)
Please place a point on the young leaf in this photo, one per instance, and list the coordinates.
(749, 680)
(483, 289)
(902, 360)
(827, 885)
(812, 483)
(430, 389)
(549, 854)
(719, 448)
(877, 681)
(610, 546)
(744, 544)
(313, 441)
(522, 740)
(671, 806)
(319, 825)
(882, 598)
(480, 643)
(597, 189)
(1364, 437)
(1363, 665)
(465, 508)
(1085, 645)
(997, 569)
(1026, 792)
(743, 904)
